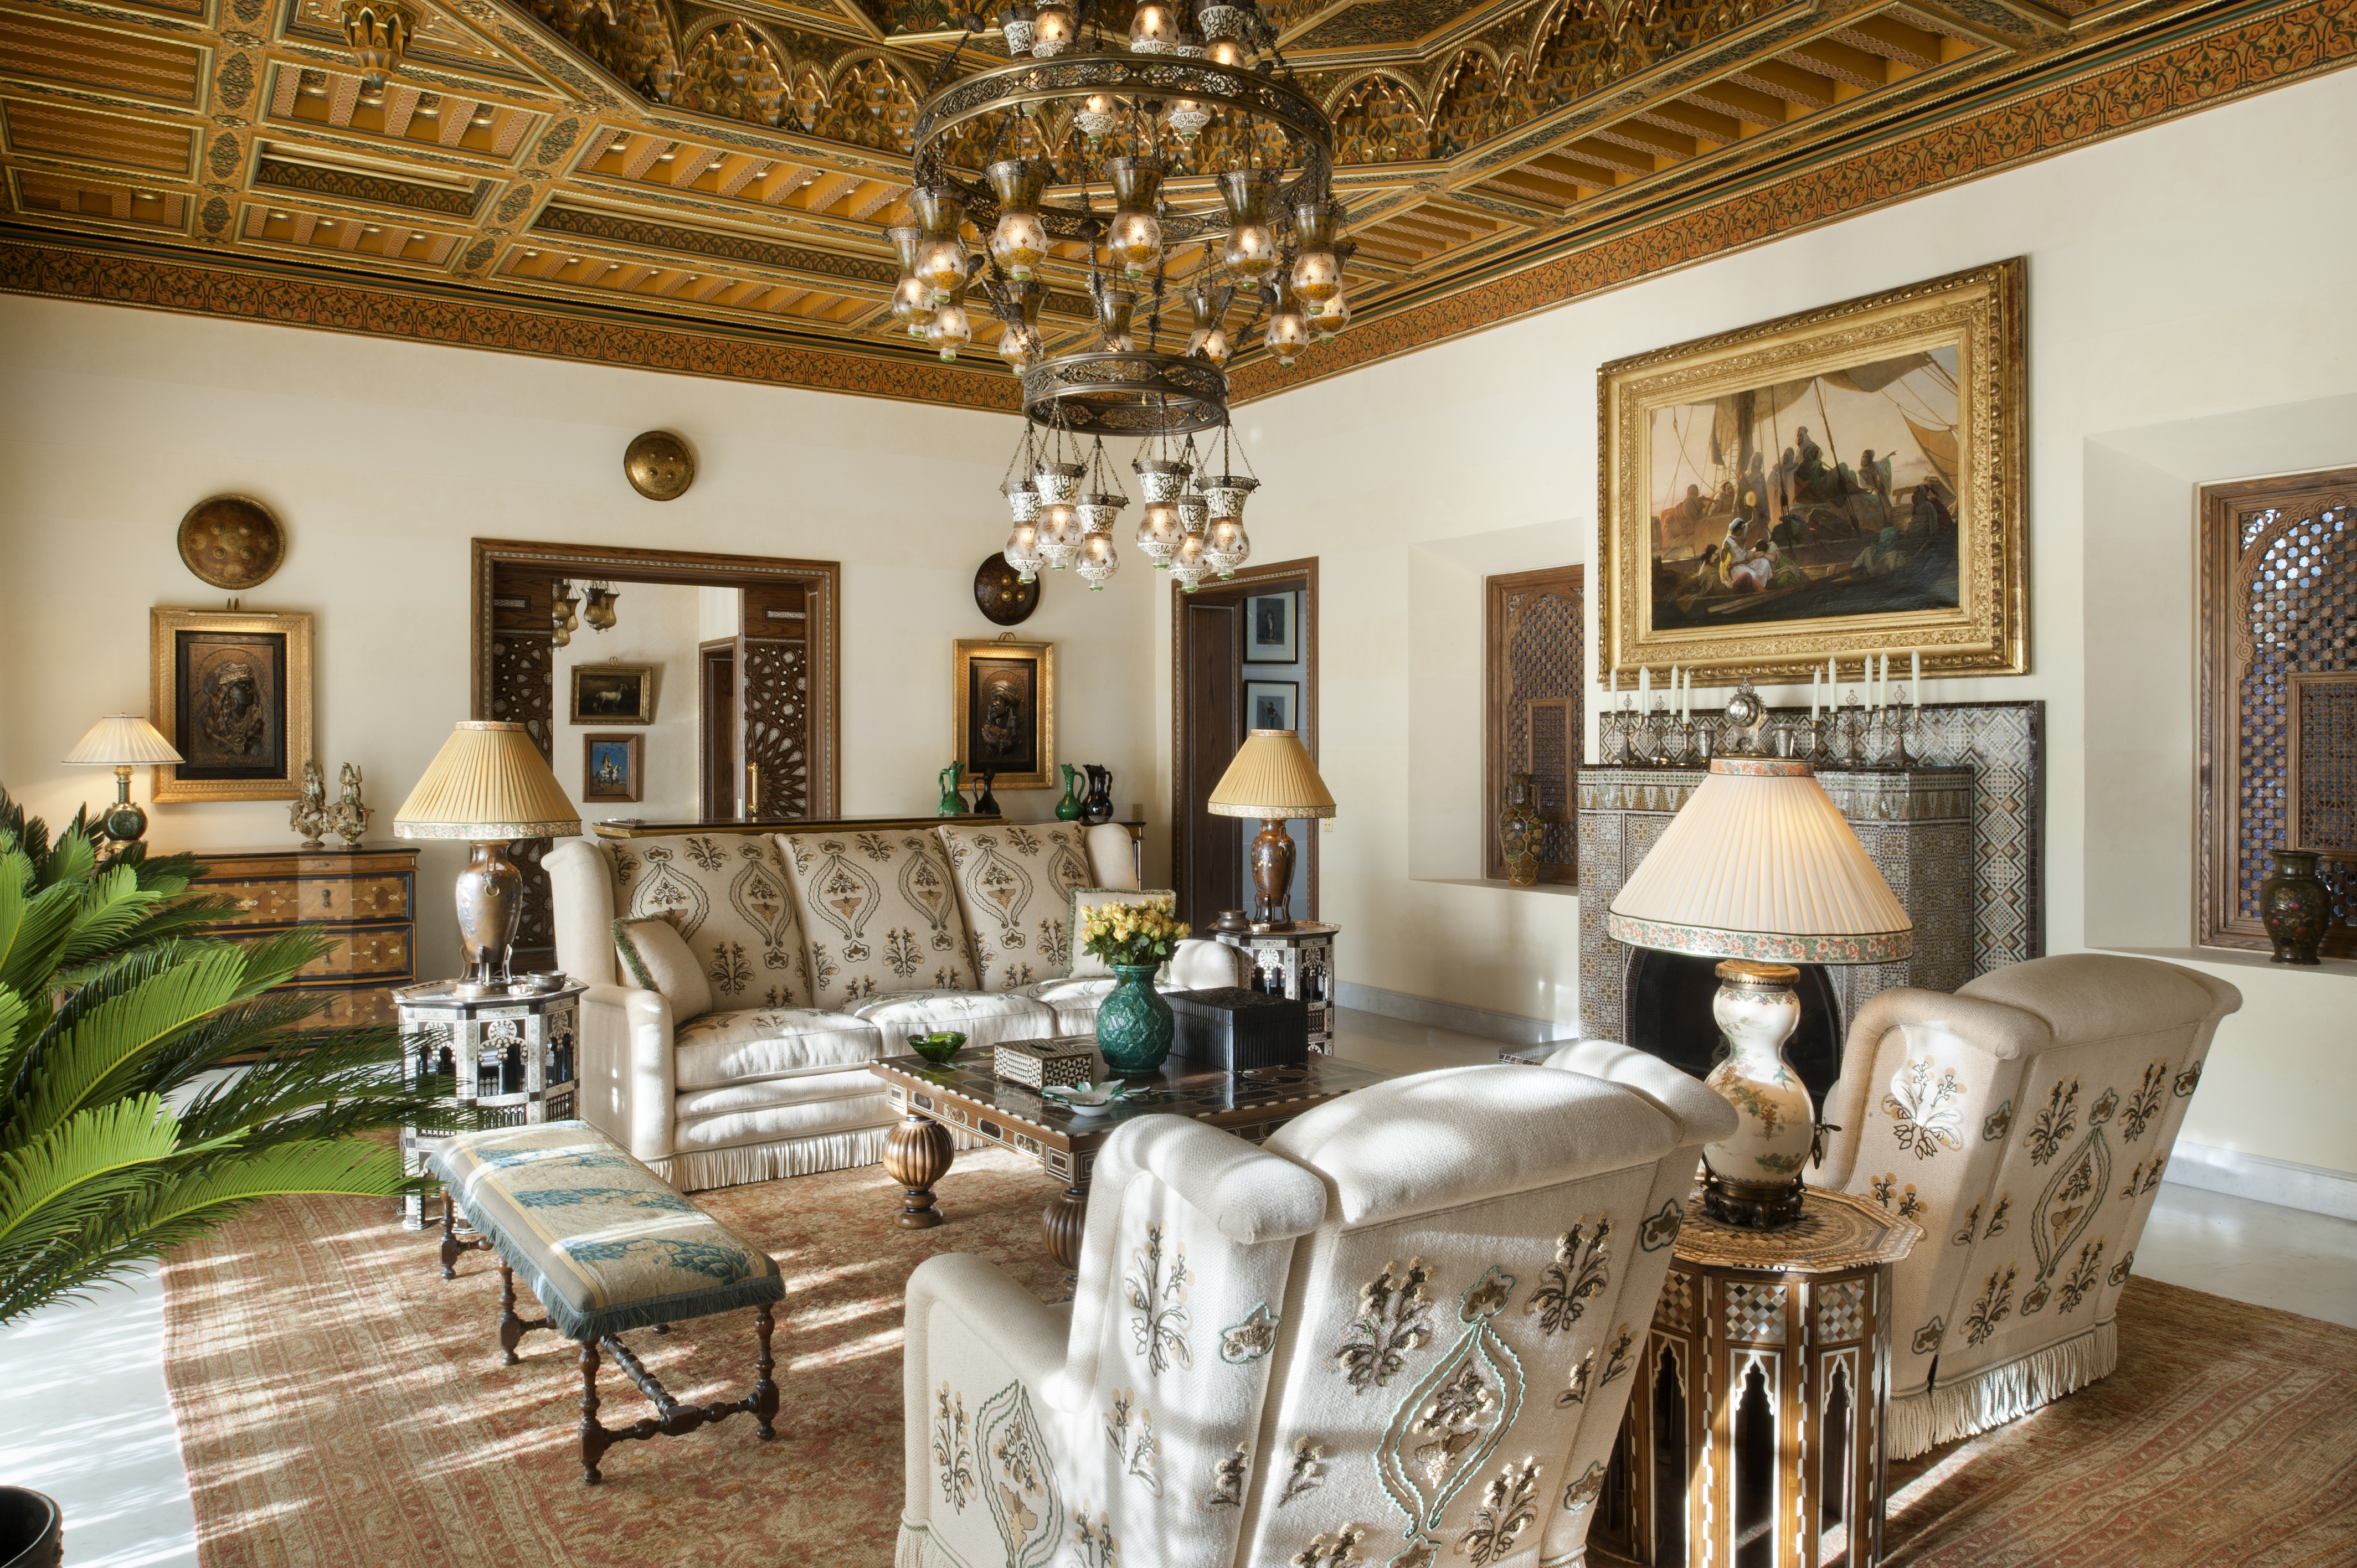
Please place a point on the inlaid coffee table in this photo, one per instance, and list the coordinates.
(963, 1094)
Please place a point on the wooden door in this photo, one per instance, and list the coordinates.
(718, 771)
(1210, 879)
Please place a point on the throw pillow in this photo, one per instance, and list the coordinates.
(725, 894)
(1014, 884)
(883, 915)
(1088, 966)
(656, 958)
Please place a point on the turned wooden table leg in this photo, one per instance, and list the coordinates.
(595, 1438)
(1060, 1225)
(511, 1325)
(450, 1246)
(764, 1402)
(917, 1154)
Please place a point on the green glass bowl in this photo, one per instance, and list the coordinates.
(939, 1046)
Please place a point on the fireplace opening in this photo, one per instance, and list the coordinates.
(1669, 1016)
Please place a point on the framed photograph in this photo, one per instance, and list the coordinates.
(1269, 629)
(1269, 704)
(1845, 482)
(613, 693)
(610, 768)
(1003, 713)
(233, 694)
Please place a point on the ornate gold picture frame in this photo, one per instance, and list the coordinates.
(1003, 713)
(1844, 482)
(233, 694)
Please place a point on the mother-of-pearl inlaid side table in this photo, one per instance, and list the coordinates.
(1754, 1438)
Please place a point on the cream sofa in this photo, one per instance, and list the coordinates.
(824, 949)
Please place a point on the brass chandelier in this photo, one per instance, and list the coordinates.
(1185, 159)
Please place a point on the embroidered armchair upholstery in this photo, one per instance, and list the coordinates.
(1384, 1338)
(2024, 1122)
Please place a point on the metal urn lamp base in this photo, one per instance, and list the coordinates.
(1759, 869)
(1274, 780)
(1272, 866)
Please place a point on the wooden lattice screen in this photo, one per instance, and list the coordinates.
(2279, 690)
(1533, 722)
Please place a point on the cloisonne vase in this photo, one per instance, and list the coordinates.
(1134, 1023)
(2294, 906)
(1754, 1173)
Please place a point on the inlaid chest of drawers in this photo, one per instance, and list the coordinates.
(365, 899)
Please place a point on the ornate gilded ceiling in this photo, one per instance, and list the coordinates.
(671, 183)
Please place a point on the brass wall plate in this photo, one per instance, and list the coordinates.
(231, 541)
(1000, 592)
(660, 466)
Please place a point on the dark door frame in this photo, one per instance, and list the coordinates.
(720, 769)
(1246, 583)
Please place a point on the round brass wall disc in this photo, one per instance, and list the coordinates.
(231, 541)
(1001, 595)
(660, 466)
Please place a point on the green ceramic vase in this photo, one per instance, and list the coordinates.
(1134, 1023)
(1068, 809)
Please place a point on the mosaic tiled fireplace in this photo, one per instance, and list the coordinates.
(1957, 838)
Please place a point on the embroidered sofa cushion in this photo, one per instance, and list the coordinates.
(726, 894)
(769, 1042)
(841, 1106)
(882, 917)
(656, 959)
(1086, 966)
(605, 1244)
(1013, 885)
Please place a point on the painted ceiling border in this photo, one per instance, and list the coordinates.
(2220, 63)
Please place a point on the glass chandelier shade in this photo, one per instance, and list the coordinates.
(950, 329)
(1053, 30)
(1099, 560)
(1023, 551)
(1160, 478)
(1134, 240)
(1251, 252)
(1287, 333)
(1023, 502)
(913, 302)
(1226, 51)
(1099, 512)
(1019, 242)
(1098, 113)
(1187, 568)
(1116, 308)
(1185, 118)
(1015, 26)
(1225, 546)
(941, 255)
(1228, 492)
(1194, 511)
(1220, 22)
(1317, 270)
(1208, 339)
(1153, 28)
(1059, 534)
(1159, 531)
(1058, 482)
(1331, 317)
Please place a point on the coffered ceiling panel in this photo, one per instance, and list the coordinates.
(723, 174)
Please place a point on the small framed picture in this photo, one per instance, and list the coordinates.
(611, 768)
(1269, 704)
(1269, 629)
(613, 693)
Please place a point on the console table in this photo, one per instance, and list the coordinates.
(963, 1094)
(364, 897)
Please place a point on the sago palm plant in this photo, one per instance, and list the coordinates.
(115, 1001)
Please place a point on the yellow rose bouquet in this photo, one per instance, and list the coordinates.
(1131, 933)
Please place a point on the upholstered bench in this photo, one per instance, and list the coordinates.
(607, 1246)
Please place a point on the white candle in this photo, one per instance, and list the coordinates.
(1645, 685)
(1833, 684)
(1674, 691)
(1813, 678)
(1915, 678)
(1883, 699)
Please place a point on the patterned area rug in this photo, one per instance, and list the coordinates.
(341, 1404)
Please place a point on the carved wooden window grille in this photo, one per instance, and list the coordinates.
(2278, 675)
(1537, 670)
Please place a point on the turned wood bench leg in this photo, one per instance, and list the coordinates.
(512, 1328)
(595, 1438)
(452, 1243)
(673, 1419)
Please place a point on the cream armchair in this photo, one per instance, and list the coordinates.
(1398, 1332)
(2024, 1122)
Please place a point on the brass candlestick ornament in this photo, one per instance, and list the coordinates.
(1274, 780)
(1759, 869)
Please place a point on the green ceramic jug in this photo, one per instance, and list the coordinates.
(1068, 809)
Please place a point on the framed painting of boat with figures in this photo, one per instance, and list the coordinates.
(1840, 482)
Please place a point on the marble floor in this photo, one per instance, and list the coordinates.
(91, 1424)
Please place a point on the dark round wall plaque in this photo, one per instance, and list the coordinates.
(1001, 596)
(232, 543)
(660, 466)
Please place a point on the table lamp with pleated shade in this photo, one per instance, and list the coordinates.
(1759, 870)
(489, 785)
(1273, 778)
(123, 742)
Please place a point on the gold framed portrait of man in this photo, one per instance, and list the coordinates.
(1845, 482)
(1003, 713)
(233, 694)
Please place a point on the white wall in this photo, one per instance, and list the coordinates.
(2168, 345)
(384, 459)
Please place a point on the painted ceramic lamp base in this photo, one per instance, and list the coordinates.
(1753, 1178)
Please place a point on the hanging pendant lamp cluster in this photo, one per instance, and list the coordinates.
(1193, 171)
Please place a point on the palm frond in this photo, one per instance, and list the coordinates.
(54, 1184)
(97, 1056)
(73, 857)
(253, 1027)
(44, 922)
(337, 1083)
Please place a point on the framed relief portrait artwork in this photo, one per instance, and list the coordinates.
(1003, 713)
(1845, 482)
(233, 694)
